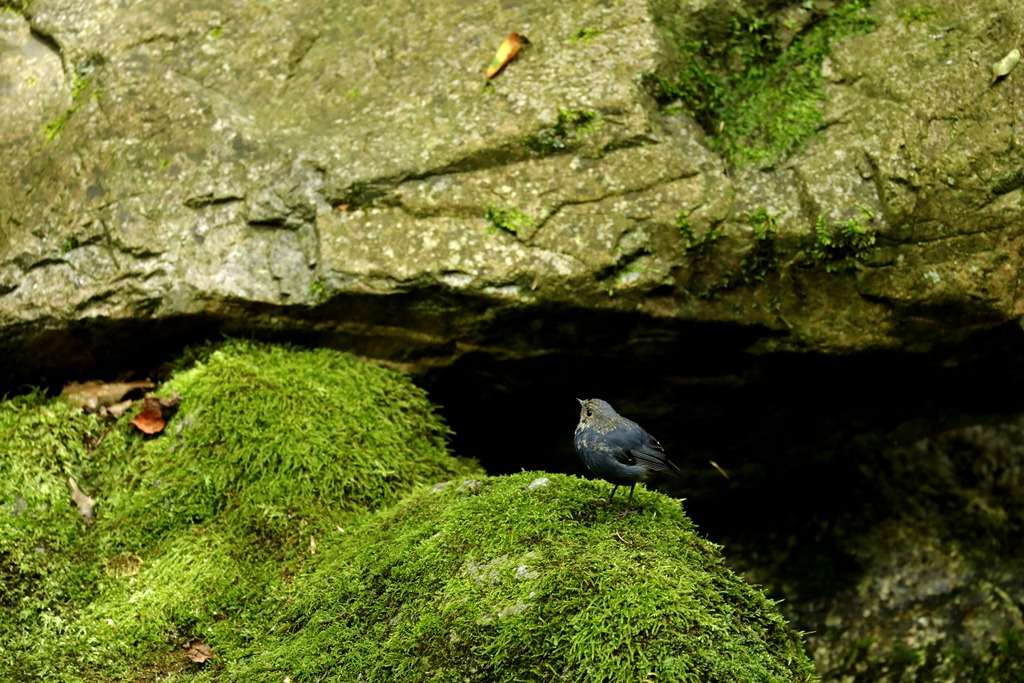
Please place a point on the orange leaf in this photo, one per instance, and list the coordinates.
(155, 412)
(150, 420)
(506, 53)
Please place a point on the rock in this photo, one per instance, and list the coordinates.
(318, 170)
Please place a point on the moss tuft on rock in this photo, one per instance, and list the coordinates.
(503, 581)
(757, 90)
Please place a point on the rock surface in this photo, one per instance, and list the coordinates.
(295, 167)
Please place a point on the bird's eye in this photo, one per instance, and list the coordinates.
(589, 412)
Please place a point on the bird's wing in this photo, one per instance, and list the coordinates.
(652, 456)
(616, 444)
(624, 456)
(632, 445)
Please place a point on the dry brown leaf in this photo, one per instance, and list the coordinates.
(1004, 66)
(198, 651)
(118, 409)
(155, 412)
(85, 503)
(92, 395)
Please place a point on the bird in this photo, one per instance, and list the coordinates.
(617, 449)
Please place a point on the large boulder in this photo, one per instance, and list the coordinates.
(351, 173)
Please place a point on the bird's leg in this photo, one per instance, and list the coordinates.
(629, 503)
(609, 501)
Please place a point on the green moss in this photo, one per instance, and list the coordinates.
(841, 246)
(570, 126)
(914, 15)
(685, 227)
(44, 568)
(69, 245)
(763, 258)
(757, 100)
(758, 264)
(15, 6)
(78, 86)
(501, 581)
(837, 247)
(508, 219)
(585, 34)
(357, 194)
(691, 242)
(200, 531)
(1001, 659)
(277, 432)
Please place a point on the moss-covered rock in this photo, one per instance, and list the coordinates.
(249, 525)
(522, 578)
(197, 532)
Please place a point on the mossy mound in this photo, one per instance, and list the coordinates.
(498, 580)
(199, 531)
(285, 431)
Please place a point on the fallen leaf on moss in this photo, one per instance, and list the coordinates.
(116, 410)
(198, 651)
(150, 419)
(85, 503)
(93, 395)
(155, 413)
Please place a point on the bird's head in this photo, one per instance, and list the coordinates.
(594, 411)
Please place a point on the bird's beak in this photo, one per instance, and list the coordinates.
(581, 401)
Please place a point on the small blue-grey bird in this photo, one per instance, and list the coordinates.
(617, 449)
